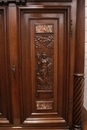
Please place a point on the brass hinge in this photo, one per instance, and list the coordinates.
(71, 28)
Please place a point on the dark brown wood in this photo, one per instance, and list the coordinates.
(78, 101)
(79, 66)
(25, 1)
(12, 35)
(80, 37)
(5, 86)
(48, 1)
(58, 53)
(39, 60)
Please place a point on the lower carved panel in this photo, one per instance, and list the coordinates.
(78, 101)
(44, 105)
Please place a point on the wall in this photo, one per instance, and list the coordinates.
(85, 89)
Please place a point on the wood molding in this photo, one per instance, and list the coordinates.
(78, 101)
(79, 66)
(25, 1)
(5, 86)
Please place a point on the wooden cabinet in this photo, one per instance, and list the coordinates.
(41, 77)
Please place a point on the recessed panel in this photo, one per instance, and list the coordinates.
(43, 48)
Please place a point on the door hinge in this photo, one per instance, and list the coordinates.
(71, 28)
(70, 103)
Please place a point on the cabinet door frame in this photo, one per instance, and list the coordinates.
(72, 49)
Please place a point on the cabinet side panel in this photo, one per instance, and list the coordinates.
(5, 94)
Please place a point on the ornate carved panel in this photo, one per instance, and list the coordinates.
(44, 71)
(5, 95)
(47, 41)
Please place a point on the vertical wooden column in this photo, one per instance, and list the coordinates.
(12, 31)
(79, 67)
(78, 101)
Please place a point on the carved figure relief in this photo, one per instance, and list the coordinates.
(44, 75)
(44, 28)
(43, 105)
(47, 41)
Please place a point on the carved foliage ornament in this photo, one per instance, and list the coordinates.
(47, 41)
(44, 28)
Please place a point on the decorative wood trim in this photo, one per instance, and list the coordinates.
(78, 101)
(5, 86)
(79, 66)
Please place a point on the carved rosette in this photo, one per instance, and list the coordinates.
(78, 101)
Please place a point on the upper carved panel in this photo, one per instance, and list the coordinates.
(44, 28)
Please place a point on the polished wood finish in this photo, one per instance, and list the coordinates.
(5, 87)
(12, 34)
(57, 54)
(79, 69)
(39, 65)
(78, 101)
(25, 1)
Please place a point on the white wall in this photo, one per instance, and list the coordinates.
(85, 89)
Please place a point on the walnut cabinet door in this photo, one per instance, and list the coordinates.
(45, 54)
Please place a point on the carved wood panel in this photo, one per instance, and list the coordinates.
(42, 42)
(43, 58)
(5, 90)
